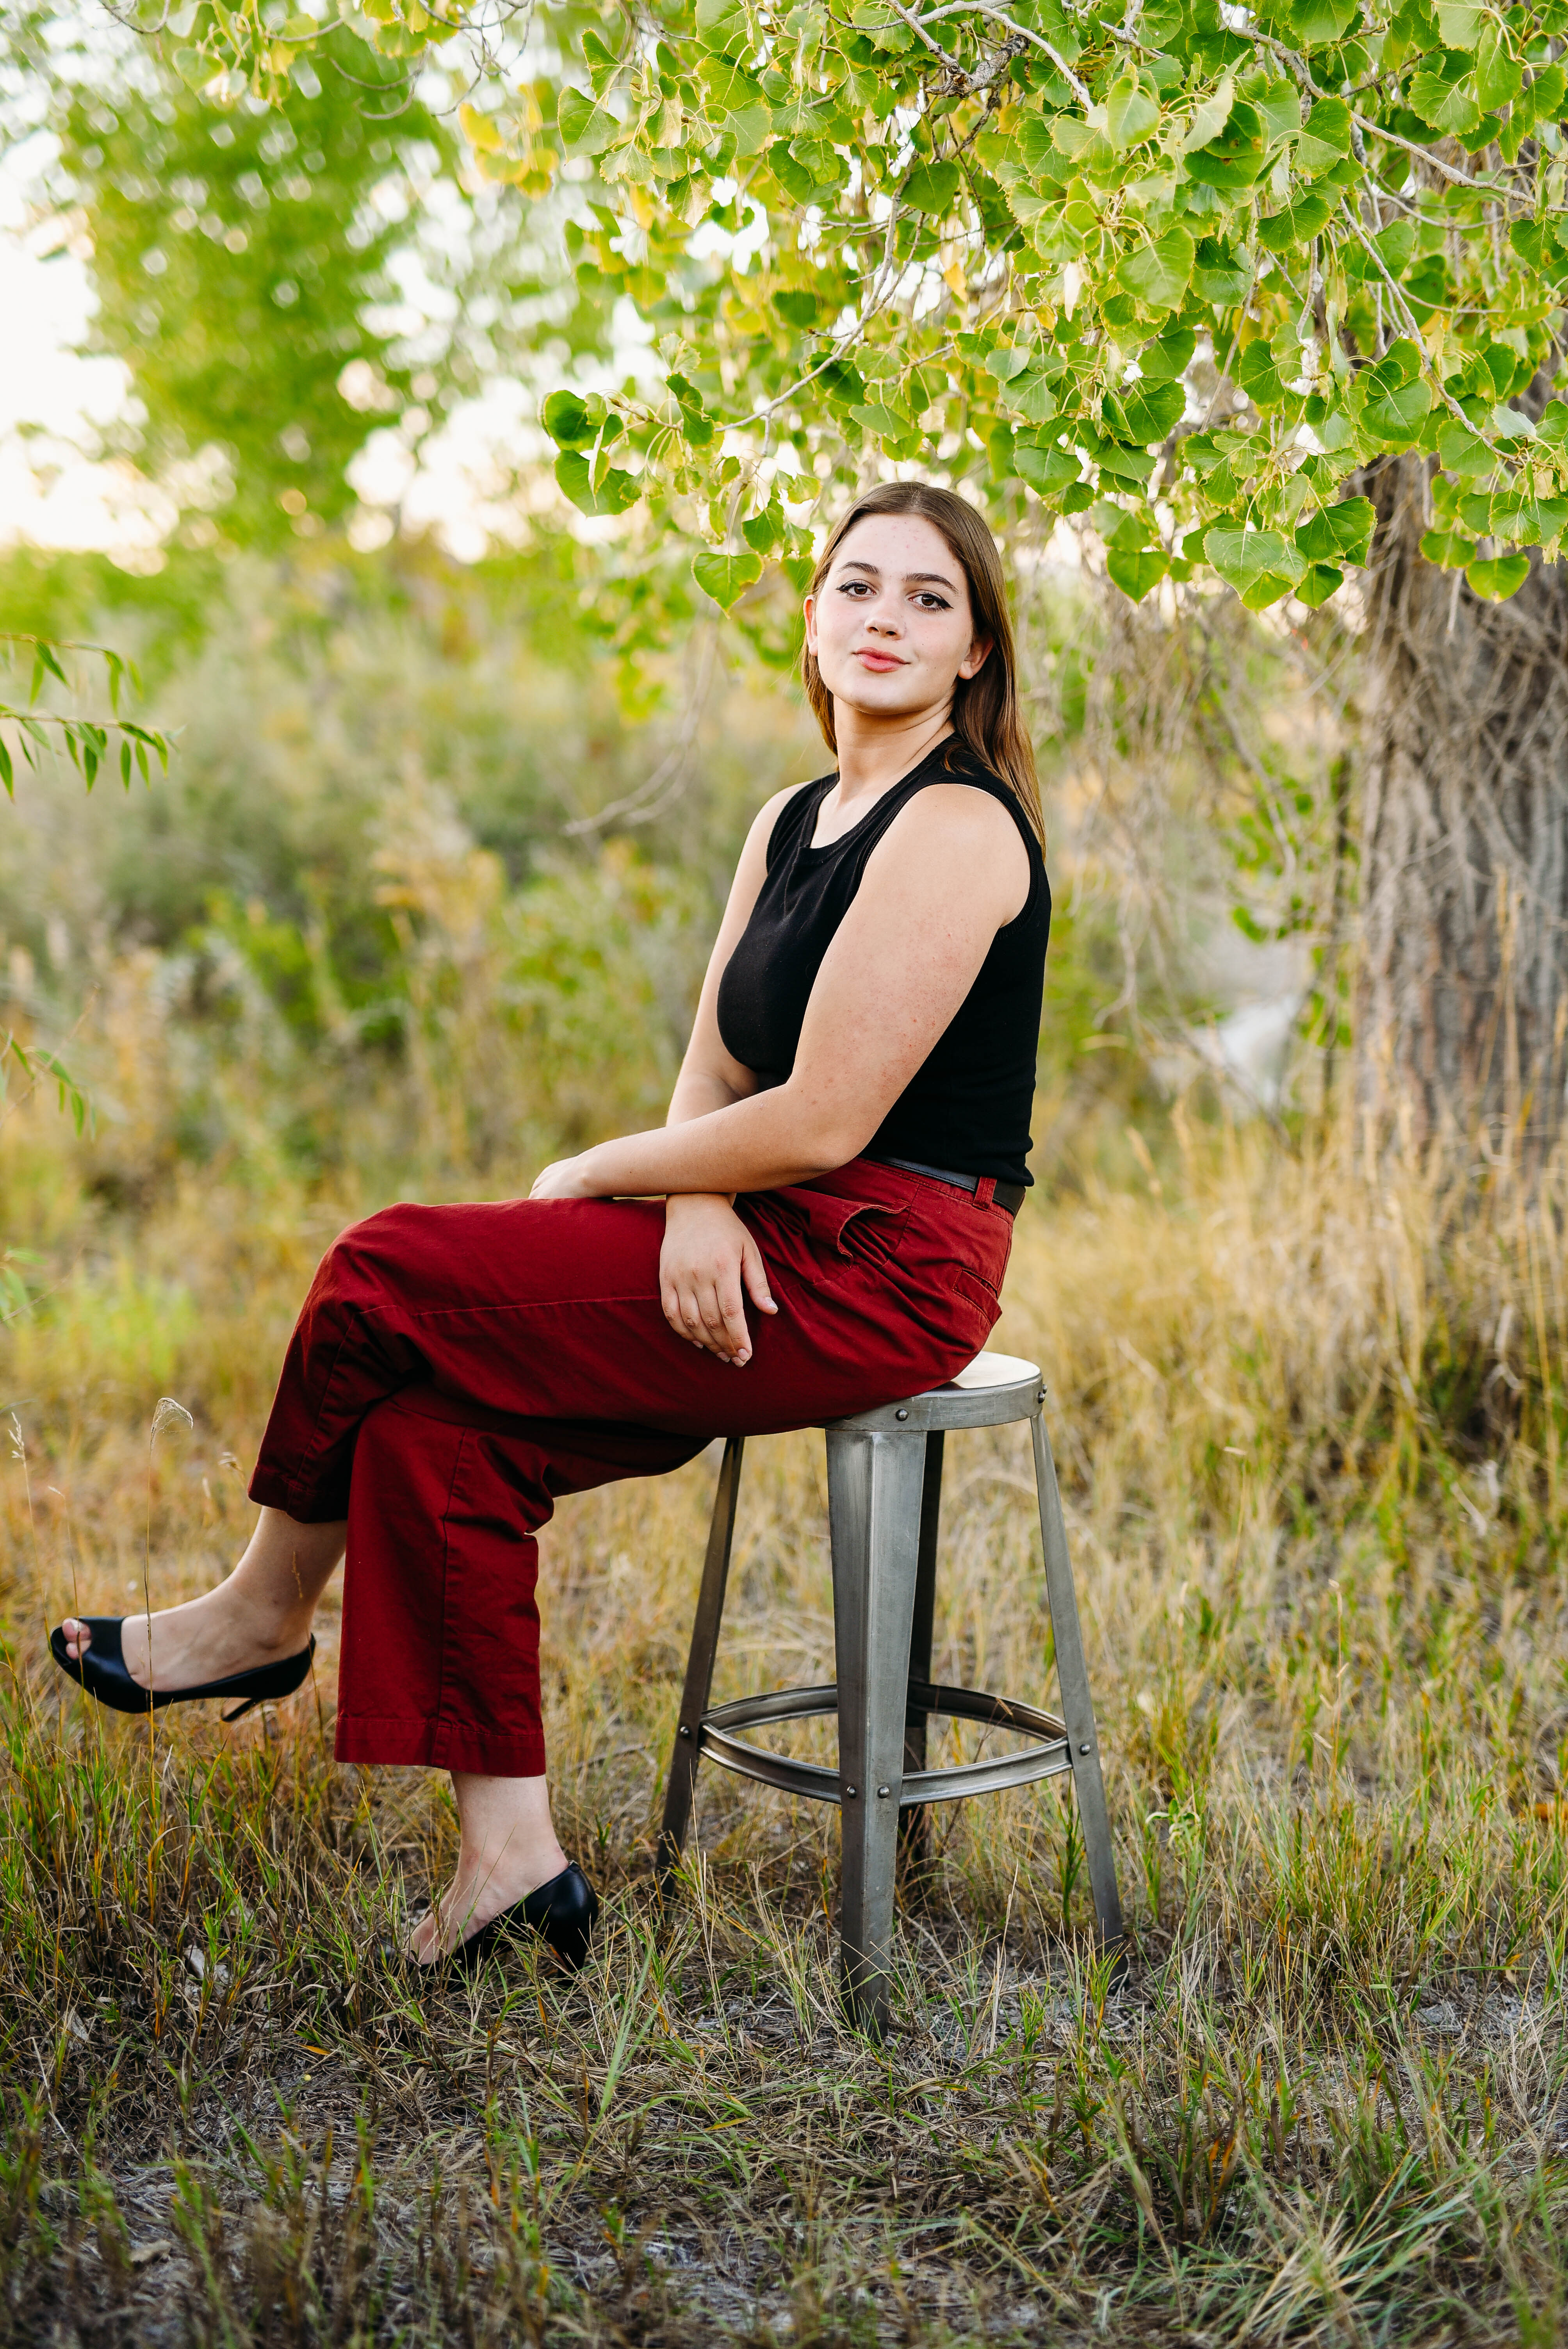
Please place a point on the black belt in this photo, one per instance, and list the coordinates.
(1007, 1196)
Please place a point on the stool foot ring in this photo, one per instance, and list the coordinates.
(1048, 1758)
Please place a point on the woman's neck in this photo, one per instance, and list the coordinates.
(875, 751)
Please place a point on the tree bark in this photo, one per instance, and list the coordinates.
(1462, 988)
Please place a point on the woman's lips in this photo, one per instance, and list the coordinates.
(879, 661)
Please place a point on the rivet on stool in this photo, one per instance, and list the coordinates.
(901, 1414)
(1085, 1749)
(883, 1791)
(685, 1731)
(851, 1793)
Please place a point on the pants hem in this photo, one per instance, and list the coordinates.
(441, 1744)
(270, 1488)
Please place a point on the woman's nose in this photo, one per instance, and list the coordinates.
(885, 623)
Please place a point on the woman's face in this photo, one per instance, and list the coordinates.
(890, 625)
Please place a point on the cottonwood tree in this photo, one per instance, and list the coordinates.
(1270, 294)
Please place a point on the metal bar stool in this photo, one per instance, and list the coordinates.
(885, 1492)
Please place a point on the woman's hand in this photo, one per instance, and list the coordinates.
(567, 1179)
(709, 1266)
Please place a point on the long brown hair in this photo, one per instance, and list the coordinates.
(986, 718)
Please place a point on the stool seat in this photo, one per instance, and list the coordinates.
(884, 1491)
(989, 1392)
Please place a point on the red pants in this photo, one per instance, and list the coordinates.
(455, 1368)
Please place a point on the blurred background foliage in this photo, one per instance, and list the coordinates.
(427, 894)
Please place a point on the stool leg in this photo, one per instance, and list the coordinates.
(687, 1751)
(874, 1484)
(914, 1824)
(1077, 1712)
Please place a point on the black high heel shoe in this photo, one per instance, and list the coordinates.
(102, 1672)
(562, 1913)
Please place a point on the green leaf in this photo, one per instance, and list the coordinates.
(721, 24)
(1450, 549)
(1540, 242)
(1219, 274)
(763, 531)
(1543, 99)
(1461, 450)
(1317, 584)
(1130, 114)
(1445, 105)
(614, 493)
(1136, 570)
(1047, 470)
(1298, 224)
(1499, 577)
(1552, 427)
(1339, 533)
(1144, 412)
(696, 424)
(1396, 420)
(1236, 158)
(583, 125)
(565, 418)
(1279, 103)
(1255, 374)
(1210, 117)
(1317, 22)
(1168, 355)
(887, 423)
(1498, 76)
(8, 771)
(1326, 136)
(931, 187)
(724, 576)
(1460, 23)
(1260, 564)
(1159, 275)
(1006, 364)
(1030, 396)
(799, 309)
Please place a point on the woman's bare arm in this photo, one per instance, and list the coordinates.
(949, 873)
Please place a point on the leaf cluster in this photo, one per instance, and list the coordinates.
(85, 741)
(1192, 265)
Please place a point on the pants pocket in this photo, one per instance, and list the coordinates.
(864, 1233)
(978, 1296)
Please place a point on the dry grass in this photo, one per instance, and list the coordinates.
(1308, 1425)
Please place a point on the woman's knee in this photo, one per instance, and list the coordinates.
(371, 1254)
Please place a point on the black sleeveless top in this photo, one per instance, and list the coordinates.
(967, 1107)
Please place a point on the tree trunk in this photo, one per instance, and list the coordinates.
(1463, 975)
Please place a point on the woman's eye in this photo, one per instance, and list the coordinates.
(853, 587)
(931, 603)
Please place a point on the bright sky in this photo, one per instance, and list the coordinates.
(56, 490)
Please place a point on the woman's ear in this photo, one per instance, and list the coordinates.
(974, 659)
(809, 608)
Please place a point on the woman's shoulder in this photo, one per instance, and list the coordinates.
(967, 769)
(969, 818)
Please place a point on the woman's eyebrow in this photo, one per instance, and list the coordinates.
(911, 578)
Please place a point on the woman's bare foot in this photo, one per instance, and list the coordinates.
(261, 1614)
(509, 1849)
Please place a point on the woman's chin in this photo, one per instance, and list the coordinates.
(885, 695)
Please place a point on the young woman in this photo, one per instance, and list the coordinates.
(821, 1226)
